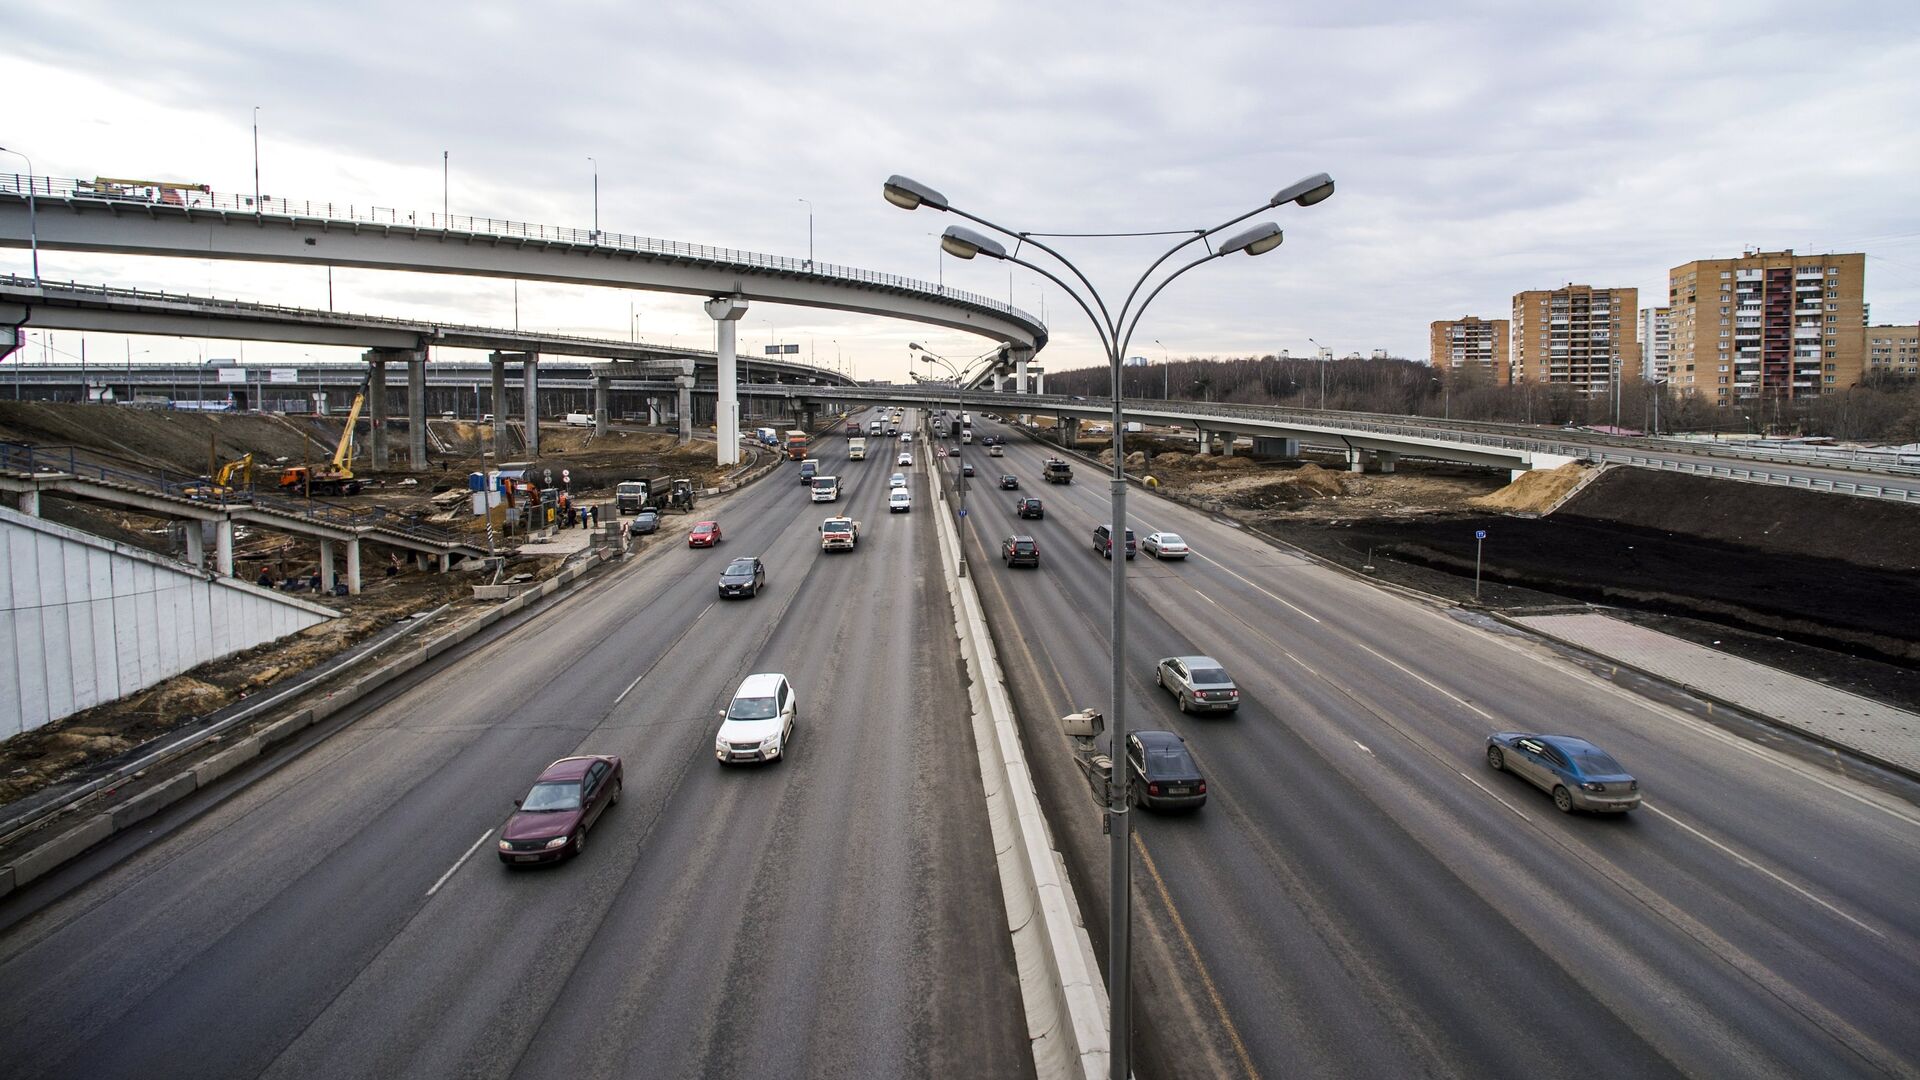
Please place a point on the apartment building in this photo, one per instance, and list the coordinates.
(1893, 351)
(1577, 336)
(1769, 324)
(1656, 342)
(1471, 342)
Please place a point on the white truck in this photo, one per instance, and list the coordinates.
(856, 448)
(826, 489)
(839, 534)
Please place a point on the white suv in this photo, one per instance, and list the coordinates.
(759, 722)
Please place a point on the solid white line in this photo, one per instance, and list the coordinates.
(1436, 686)
(1743, 860)
(1496, 798)
(457, 862)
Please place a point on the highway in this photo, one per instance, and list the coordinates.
(1362, 896)
(832, 915)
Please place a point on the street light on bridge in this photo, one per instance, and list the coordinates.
(1116, 332)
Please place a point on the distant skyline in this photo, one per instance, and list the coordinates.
(1480, 150)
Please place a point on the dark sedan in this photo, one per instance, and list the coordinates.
(967, 469)
(1009, 482)
(1163, 774)
(646, 521)
(552, 821)
(1578, 774)
(743, 577)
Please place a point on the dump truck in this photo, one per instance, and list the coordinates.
(633, 496)
(1059, 472)
(336, 477)
(839, 534)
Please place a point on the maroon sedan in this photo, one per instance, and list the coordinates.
(704, 534)
(552, 821)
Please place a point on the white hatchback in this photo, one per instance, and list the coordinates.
(758, 725)
(899, 501)
(899, 480)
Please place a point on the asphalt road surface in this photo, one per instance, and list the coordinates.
(1362, 896)
(832, 915)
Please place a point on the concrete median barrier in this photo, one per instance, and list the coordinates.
(1060, 986)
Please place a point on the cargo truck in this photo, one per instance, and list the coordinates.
(856, 449)
(796, 446)
(839, 534)
(826, 489)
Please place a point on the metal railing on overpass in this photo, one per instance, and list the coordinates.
(192, 198)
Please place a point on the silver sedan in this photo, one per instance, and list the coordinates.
(1164, 545)
(1199, 683)
(1578, 774)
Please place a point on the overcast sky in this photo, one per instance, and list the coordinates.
(1480, 148)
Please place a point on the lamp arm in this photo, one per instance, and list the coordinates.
(1142, 310)
(1108, 323)
(1102, 329)
(1199, 234)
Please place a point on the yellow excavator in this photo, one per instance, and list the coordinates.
(337, 477)
(225, 483)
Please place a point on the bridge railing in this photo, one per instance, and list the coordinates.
(202, 198)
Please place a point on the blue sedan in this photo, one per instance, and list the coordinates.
(1578, 774)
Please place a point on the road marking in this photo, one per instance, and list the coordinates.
(676, 641)
(1363, 746)
(1496, 798)
(457, 862)
(1249, 584)
(1744, 861)
(1199, 965)
(1422, 678)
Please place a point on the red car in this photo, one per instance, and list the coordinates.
(551, 823)
(704, 534)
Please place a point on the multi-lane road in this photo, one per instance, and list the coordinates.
(1363, 896)
(833, 915)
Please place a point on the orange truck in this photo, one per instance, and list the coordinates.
(796, 445)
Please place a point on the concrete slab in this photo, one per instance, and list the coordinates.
(152, 801)
(61, 848)
(1874, 730)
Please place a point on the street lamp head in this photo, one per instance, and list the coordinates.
(963, 243)
(1304, 192)
(1258, 240)
(915, 346)
(909, 194)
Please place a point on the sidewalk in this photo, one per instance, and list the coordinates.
(564, 542)
(1878, 732)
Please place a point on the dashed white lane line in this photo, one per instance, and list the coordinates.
(1495, 796)
(1744, 861)
(642, 675)
(457, 862)
(1365, 747)
(1263, 592)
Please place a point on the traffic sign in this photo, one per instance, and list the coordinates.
(1479, 534)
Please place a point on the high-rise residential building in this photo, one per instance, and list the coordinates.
(1656, 342)
(1470, 342)
(1769, 324)
(1577, 336)
(1893, 351)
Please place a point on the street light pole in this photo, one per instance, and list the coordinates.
(1116, 333)
(1166, 371)
(33, 219)
(1323, 372)
(596, 199)
(809, 203)
(256, 160)
(446, 176)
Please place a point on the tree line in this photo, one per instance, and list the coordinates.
(1879, 410)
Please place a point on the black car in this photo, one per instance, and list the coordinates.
(1163, 774)
(646, 521)
(1009, 482)
(1103, 542)
(1029, 507)
(1020, 551)
(742, 577)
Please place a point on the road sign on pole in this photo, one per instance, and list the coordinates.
(1479, 541)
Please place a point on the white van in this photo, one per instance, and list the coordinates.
(758, 724)
(579, 419)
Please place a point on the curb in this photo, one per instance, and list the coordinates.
(1060, 985)
(1906, 771)
(65, 846)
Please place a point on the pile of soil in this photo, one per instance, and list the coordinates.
(179, 441)
(1535, 492)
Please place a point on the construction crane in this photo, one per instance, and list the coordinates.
(337, 478)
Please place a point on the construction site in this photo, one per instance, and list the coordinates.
(269, 464)
(1820, 584)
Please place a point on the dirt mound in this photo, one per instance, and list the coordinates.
(1534, 492)
(176, 440)
(1764, 517)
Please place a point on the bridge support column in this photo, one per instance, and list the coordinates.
(1385, 459)
(809, 414)
(30, 503)
(1276, 448)
(530, 382)
(417, 410)
(223, 547)
(326, 567)
(1039, 380)
(725, 312)
(1356, 460)
(353, 567)
(683, 407)
(196, 543)
(500, 448)
(1226, 444)
(602, 389)
(377, 406)
(1202, 441)
(1021, 357)
(446, 561)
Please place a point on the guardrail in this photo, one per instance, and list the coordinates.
(189, 199)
